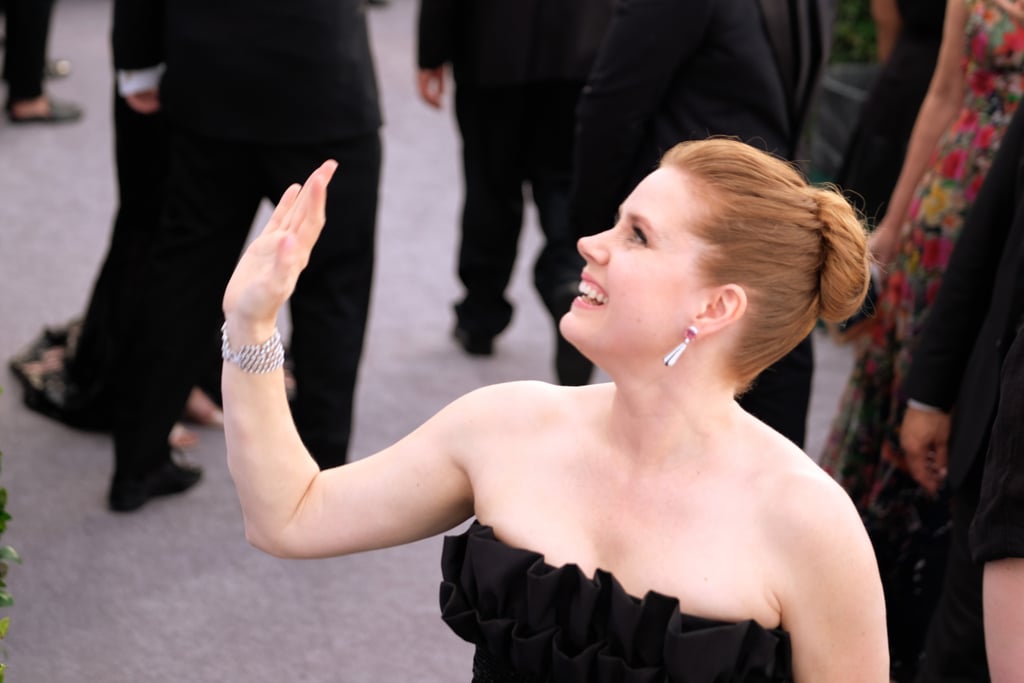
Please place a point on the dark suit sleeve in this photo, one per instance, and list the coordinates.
(962, 301)
(644, 48)
(138, 32)
(437, 26)
(997, 531)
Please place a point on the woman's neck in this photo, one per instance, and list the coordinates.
(656, 419)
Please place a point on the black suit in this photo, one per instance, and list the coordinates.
(671, 71)
(256, 95)
(957, 367)
(519, 66)
(997, 532)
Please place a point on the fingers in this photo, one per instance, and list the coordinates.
(298, 201)
(279, 218)
(146, 102)
(310, 210)
(928, 465)
(430, 83)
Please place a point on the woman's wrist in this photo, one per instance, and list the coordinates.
(243, 331)
(259, 358)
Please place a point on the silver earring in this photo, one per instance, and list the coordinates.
(673, 355)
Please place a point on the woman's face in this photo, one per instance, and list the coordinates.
(641, 287)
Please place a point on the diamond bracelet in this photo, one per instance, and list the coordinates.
(255, 358)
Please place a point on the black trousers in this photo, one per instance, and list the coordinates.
(140, 145)
(512, 135)
(955, 646)
(27, 31)
(214, 189)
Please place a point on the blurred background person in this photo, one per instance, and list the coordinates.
(67, 372)
(957, 413)
(974, 92)
(670, 71)
(255, 95)
(518, 67)
(27, 31)
(874, 156)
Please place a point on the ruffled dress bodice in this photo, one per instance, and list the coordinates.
(534, 623)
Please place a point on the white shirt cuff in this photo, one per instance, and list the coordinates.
(923, 407)
(139, 80)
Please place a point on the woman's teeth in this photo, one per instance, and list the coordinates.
(591, 295)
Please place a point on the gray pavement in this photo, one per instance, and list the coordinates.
(173, 592)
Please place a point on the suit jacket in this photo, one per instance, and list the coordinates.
(976, 312)
(670, 71)
(997, 531)
(507, 42)
(255, 70)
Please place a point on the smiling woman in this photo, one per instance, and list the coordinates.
(798, 251)
(647, 527)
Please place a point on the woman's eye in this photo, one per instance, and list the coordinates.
(638, 235)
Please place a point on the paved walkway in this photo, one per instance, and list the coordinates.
(173, 592)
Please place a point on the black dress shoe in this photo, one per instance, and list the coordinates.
(131, 494)
(473, 344)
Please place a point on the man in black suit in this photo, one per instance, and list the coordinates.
(953, 388)
(997, 533)
(256, 95)
(519, 66)
(671, 71)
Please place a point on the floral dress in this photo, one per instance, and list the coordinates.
(862, 451)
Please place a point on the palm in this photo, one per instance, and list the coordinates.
(266, 274)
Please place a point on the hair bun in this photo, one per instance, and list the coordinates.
(845, 260)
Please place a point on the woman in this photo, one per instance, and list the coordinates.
(976, 88)
(753, 563)
(875, 152)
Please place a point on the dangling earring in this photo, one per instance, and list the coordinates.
(673, 356)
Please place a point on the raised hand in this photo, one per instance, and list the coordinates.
(266, 274)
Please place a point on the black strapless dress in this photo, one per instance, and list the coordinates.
(534, 623)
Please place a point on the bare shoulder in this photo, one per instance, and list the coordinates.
(806, 508)
(486, 418)
(512, 401)
(823, 572)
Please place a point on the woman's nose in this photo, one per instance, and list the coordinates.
(591, 247)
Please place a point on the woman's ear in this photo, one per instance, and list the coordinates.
(725, 305)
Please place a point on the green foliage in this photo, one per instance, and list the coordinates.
(853, 39)
(7, 555)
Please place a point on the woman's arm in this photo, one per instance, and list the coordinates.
(1004, 620)
(938, 111)
(411, 490)
(829, 588)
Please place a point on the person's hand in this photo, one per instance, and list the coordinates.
(924, 436)
(268, 270)
(144, 102)
(884, 243)
(431, 86)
